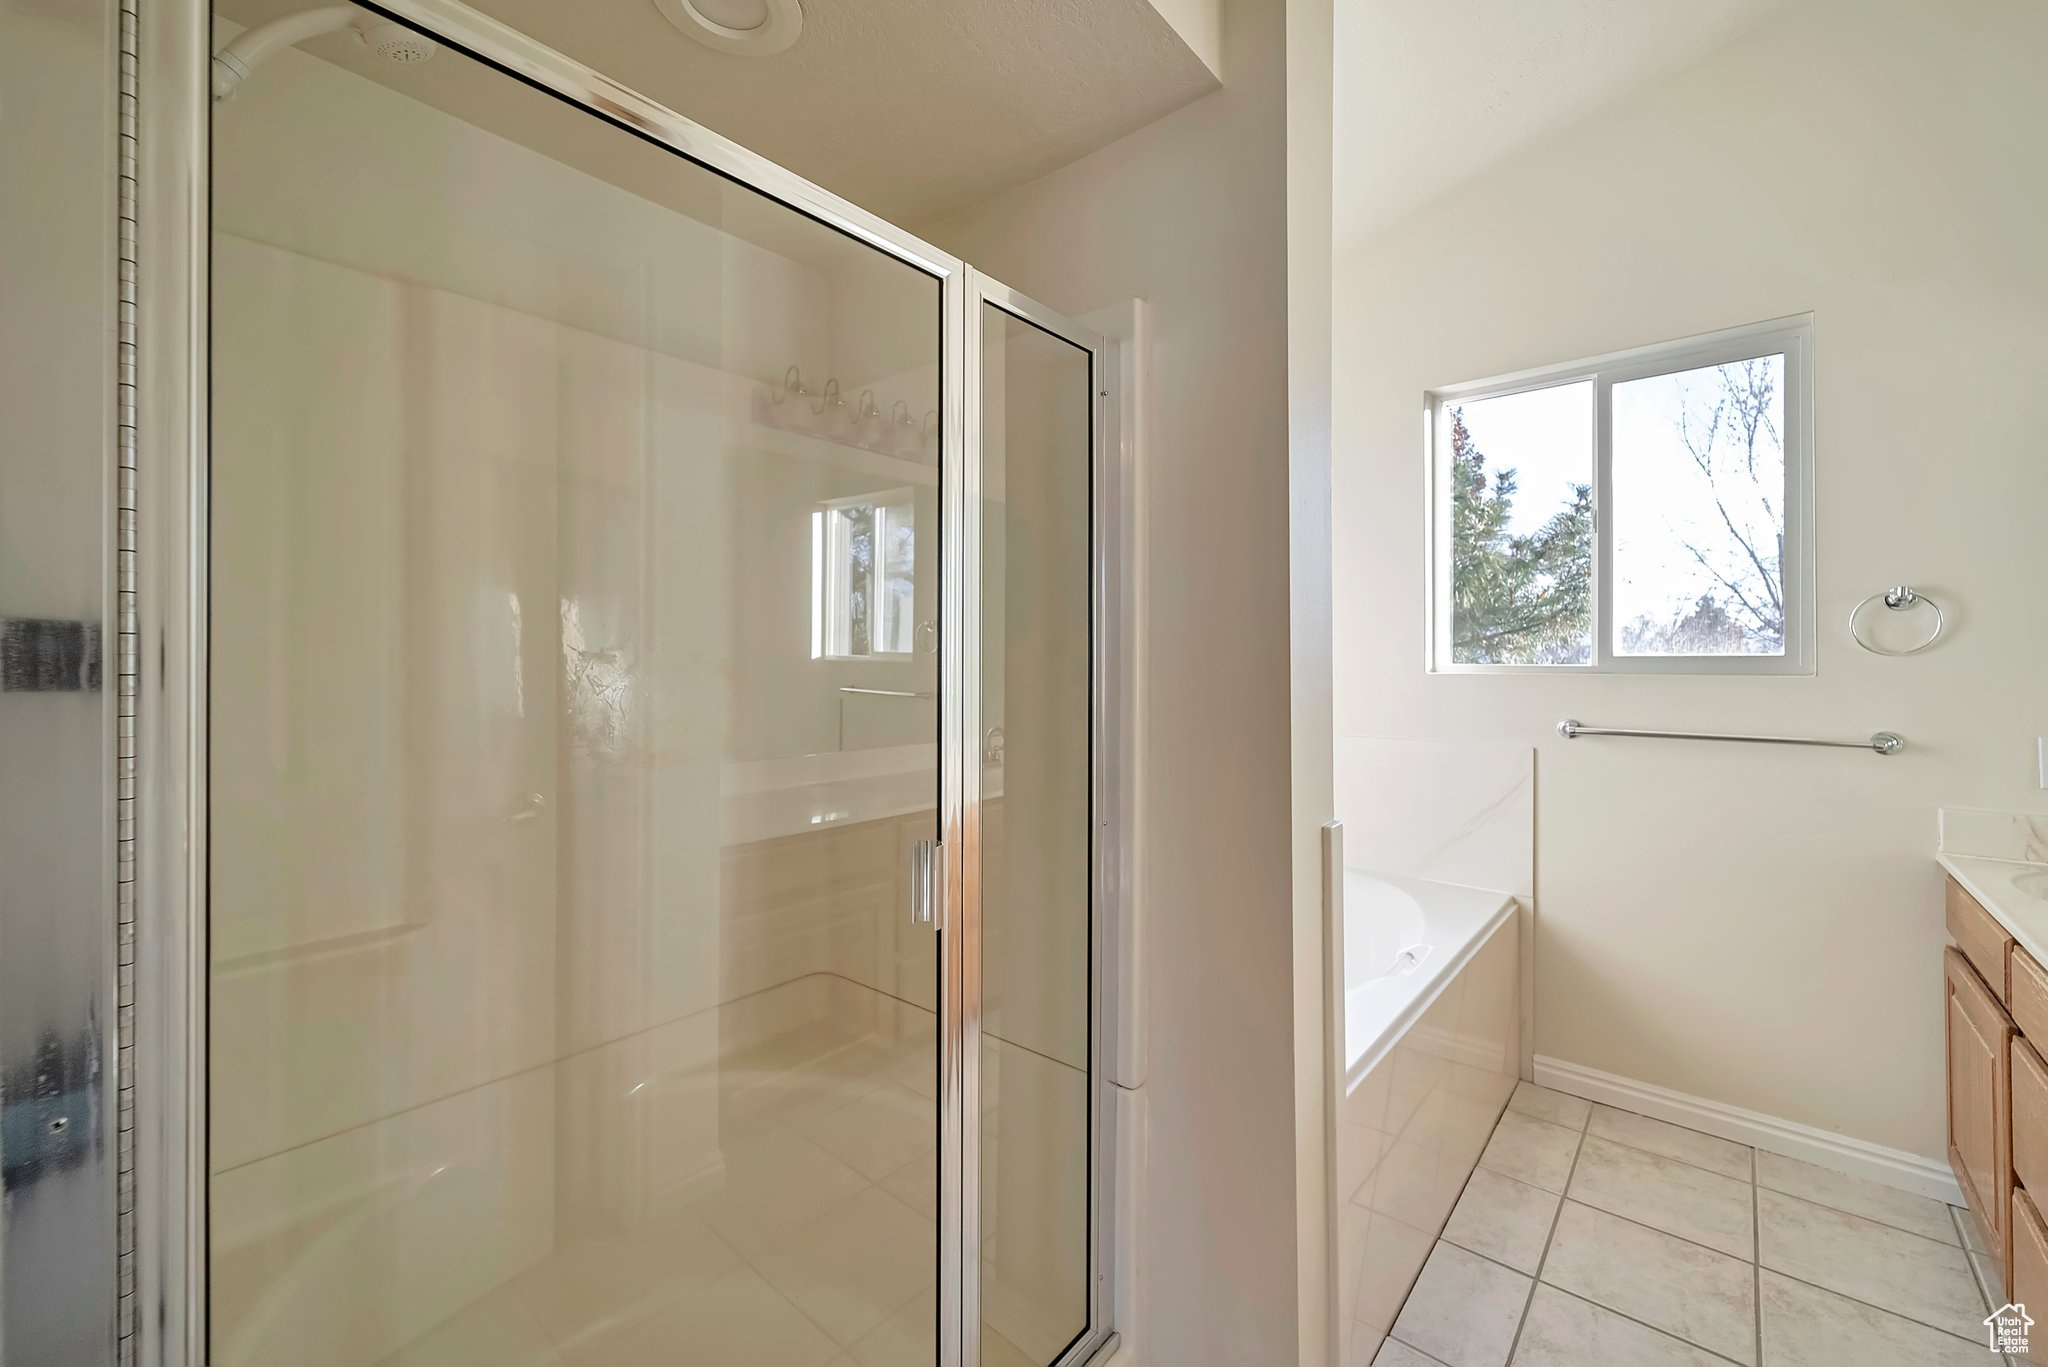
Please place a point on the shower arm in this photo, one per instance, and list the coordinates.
(247, 49)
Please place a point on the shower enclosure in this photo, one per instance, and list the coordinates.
(628, 787)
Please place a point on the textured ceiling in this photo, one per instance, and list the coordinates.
(1432, 92)
(913, 109)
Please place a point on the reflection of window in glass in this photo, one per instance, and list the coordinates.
(1646, 512)
(863, 577)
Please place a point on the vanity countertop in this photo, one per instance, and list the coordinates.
(2001, 859)
(2015, 892)
(798, 794)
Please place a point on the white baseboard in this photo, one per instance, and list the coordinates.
(1856, 1157)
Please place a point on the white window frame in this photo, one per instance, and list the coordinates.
(827, 594)
(1790, 337)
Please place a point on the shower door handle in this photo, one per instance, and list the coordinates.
(924, 883)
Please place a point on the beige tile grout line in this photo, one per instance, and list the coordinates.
(1895, 1314)
(1756, 1252)
(1586, 1132)
(1537, 1279)
(1956, 1216)
(1623, 1314)
(1756, 1241)
(1755, 1175)
(1440, 1239)
(1687, 1162)
(1969, 1257)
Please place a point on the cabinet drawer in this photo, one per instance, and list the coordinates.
(2027, 1283)
(1979, 1098)
(2027, 994)
(1982, 940)
(2029, 1117)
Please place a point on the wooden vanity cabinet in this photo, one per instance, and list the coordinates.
(1997, 1025)
(1980, 1037)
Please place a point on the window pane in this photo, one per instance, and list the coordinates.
(1521, 535)
(1699, 511)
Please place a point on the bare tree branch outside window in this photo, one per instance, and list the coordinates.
(1728, 426)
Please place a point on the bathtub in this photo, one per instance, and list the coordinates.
(1431, 1050)
(1403, 939)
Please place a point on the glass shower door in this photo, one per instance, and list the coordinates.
(574, 768)
(1040, 1080)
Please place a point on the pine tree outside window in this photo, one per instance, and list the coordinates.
(1647, 512)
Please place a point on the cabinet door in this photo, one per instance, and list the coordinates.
(2028, 1284)
(2029, 1116)
(1979, 1098)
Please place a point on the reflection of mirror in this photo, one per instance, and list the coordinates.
(864, 577)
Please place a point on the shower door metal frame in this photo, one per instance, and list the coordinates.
(170, 1261)
(1106, 813)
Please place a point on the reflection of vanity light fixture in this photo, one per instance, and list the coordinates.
(745, 28)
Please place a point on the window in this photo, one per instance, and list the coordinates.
(864, 577)
(1643, 513)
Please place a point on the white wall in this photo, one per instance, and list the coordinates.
(1756, 926)
(1189, 214)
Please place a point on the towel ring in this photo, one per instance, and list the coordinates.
(1897, 599)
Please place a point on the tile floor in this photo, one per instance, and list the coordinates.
(1589, 1235)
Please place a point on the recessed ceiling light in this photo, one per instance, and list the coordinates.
(742, 16)
(746, 28)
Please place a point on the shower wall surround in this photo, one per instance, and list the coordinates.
(1452, 813)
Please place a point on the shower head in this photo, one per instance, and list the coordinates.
(394, 42)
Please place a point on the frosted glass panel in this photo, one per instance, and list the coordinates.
(59, 1112)
(566, 1003)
